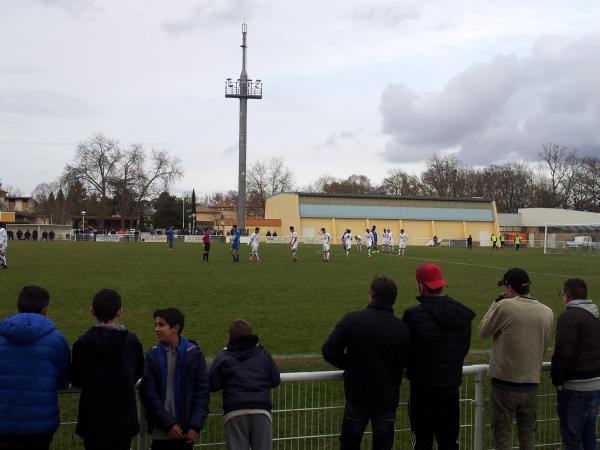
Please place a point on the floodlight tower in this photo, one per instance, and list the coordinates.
(244, 88)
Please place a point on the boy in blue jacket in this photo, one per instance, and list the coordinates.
(245, 372)
(34, 365)
(174, 389)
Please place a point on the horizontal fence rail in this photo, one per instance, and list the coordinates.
(308, 408)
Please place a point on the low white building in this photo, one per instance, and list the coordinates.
(534, 220)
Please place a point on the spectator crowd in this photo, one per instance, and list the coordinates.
(373, 346)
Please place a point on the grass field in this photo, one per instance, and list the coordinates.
(293, 306)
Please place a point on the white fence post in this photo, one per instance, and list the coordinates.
(479, 416)
(142, 438)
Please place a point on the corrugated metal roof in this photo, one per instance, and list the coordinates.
(393, 197)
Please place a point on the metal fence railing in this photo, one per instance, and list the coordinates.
(308, 409)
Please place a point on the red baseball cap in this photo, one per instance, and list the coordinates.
(431, 276)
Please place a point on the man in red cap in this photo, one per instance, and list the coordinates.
(440, 336)
(520, 327)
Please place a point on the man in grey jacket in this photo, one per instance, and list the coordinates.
(576, 367)
(520, 327)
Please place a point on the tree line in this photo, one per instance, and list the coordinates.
(105, 178)
(559, 179)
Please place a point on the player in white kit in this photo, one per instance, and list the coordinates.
(358, 240)
(294, 244)
(3, 247)
(390, 242)
(402, 243)
(369, 242)
(254, 243)
(326, 244)
(347, 241)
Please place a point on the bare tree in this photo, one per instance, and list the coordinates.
(562, 165)
(442, 177)
(121, 178)
(267, 178)
(399, 182)
(94, 166)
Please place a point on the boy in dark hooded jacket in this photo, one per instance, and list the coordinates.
(440, 336)
(246, 372)
(107, 362)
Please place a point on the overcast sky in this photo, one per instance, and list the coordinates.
(349, 86)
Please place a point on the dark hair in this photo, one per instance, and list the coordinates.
(256, 229)
(33, 299)
(172, 316)
(106, 304)
(433, 291)
(291, 227)
(239, 328)
(384, 291)
(575, 289)
(234, 226)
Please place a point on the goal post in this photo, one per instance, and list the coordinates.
(571, 238)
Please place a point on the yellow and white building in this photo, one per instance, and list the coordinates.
(420, 217)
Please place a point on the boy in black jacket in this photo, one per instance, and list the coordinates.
(174, 388)
(245, 372)
(107, 362)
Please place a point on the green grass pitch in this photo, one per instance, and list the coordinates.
(292, 306)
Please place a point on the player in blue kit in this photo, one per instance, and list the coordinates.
(170, 238)
(235, 244)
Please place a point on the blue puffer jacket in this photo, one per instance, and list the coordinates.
(34, 364)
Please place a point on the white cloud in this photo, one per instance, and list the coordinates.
(503, 109)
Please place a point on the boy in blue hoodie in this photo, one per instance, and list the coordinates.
(174, 389)
(245, 372)
(34, 365)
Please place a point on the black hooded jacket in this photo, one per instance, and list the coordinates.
(440, 336)
(107, 362)
(246, 372)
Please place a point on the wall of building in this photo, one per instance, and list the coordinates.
(284, 207)
(420, 218)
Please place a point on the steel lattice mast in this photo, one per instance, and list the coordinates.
(244, 88)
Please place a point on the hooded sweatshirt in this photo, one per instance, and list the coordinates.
(576, 359)
(440, 337)
(107, 363)
(34, 365)
(246, 372)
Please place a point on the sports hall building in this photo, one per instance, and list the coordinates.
(420, 217)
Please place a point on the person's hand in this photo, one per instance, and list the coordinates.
(191, 436)
(500, 297)
(175, 432)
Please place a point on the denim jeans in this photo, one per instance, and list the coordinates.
(355, 422)
(577, 412)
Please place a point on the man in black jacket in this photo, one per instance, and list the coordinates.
(372, 347)
(107, 362)
(440, 336)
(576, 367)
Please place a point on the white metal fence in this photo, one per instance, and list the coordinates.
(308, 409)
